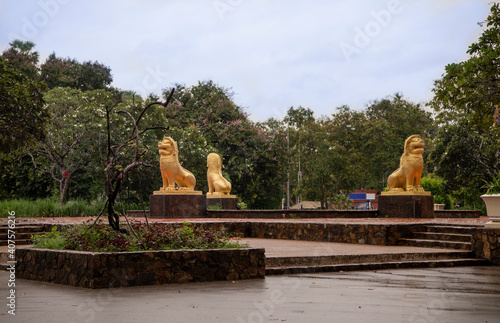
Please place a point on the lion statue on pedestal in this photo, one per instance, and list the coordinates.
(171, 170)
(217, 184)
(407, 177)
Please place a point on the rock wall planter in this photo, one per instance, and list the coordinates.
(122, 269)
(486, 244)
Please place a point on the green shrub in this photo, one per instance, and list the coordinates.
(214, 207)
(435, 185)
(51, 240)
(102, 238)
(241, 206)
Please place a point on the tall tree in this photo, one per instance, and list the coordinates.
(390, 122)
(349, 139)
(471, 89)
(124, 154)
(465, 101)
(22, 111)
(69, 144)
(21, 55)
(242, 144)
(67, 72)
(297, 121)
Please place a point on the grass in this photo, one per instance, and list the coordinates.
(49, 207)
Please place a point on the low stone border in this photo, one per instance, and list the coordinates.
(123, 269)
(456, 214)
(312, 214)
(290, 214)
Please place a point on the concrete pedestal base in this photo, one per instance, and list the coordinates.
(177, 206)
(493, 224)
(406, 206)
(226, 203)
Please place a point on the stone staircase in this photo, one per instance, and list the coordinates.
(23, 234)
(296, 265)
(456, 238)
(441, 236)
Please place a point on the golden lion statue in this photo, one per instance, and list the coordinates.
(171, 170)
(217, 184)
(407, 176)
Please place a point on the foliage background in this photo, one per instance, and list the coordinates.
(59, 155)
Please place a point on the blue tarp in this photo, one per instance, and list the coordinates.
(357, 196)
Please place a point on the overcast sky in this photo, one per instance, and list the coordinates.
(273, 54)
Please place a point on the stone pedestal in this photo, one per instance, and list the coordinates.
(177, 206)
(406, 206)
(226, 203)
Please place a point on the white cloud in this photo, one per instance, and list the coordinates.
(273, 54)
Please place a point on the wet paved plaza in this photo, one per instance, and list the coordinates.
(459, 294)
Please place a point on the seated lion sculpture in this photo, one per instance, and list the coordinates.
(217, 184)
(407, 177)
(171, 170)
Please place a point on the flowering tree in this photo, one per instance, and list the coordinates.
(68, 145)
(22, 112)
(243, 145)
(21, 55)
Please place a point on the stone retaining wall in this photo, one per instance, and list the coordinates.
(122, 269)
(376, 234)
(311, 214)
(138, 213)
(290, 214)
(457, 214)
(486, 244)
(277, 214)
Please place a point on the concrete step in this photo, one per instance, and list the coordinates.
(17, 242)
(4, 229)
(286, 270)
(442, 236)
(368, 258)
(435, 244)
(23, 233)
(20, 235)
(457, 229)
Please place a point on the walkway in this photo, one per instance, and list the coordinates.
(461, 294)
(297, 248)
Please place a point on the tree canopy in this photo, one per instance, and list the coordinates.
(67, 72)
(22, 111)
(466, 99)
(64, 114)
